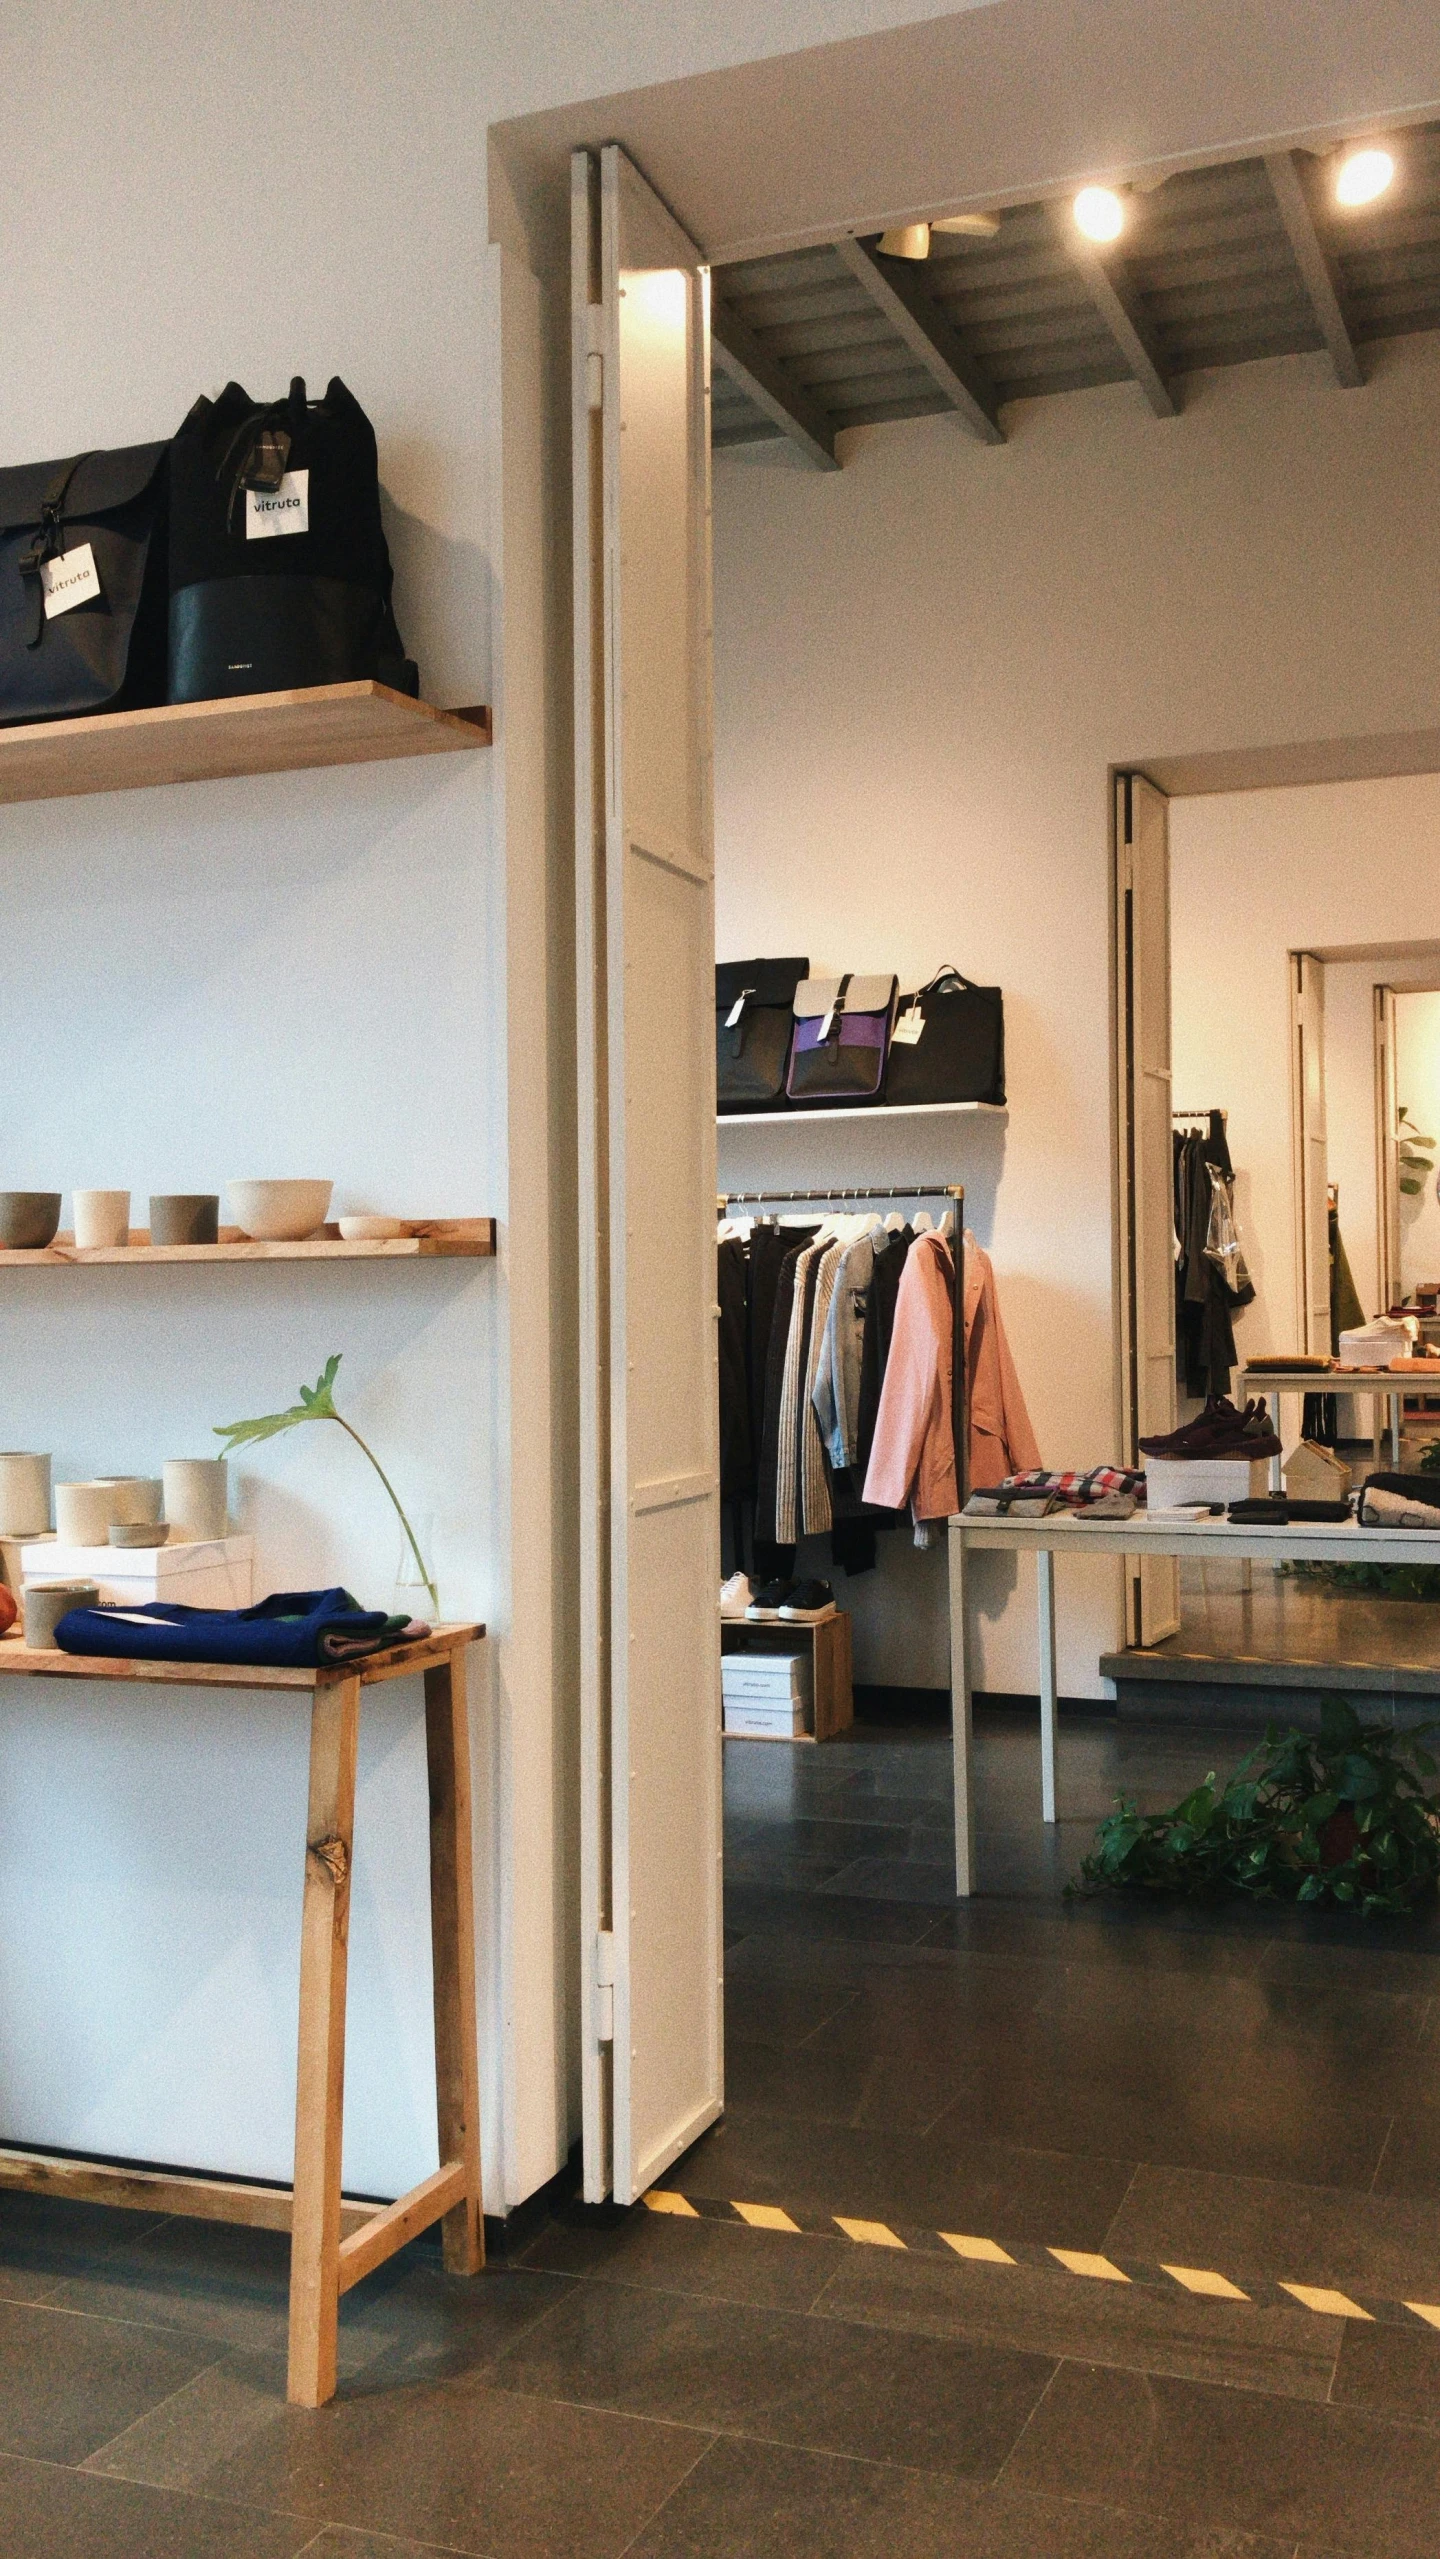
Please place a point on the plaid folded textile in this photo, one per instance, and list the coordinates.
(1076, 1488)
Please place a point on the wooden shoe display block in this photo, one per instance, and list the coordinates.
(831, 1666)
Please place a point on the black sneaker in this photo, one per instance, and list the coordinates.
(808, 1604)
(764, 1607)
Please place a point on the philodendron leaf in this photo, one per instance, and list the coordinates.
(317, 1404)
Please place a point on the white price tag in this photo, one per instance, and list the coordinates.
(282, 510)
(909, 1027)
(737, 1008)
(70, 580)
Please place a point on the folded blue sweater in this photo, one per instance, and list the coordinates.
(292, 1630)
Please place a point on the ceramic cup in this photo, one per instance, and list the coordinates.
(47, 1602)
(101, 1218)
(134, 1498)
(24, 1493)
(83, 1513)
(28, 1220)
(195, 1496)
(184, 1217)
(139, 1532)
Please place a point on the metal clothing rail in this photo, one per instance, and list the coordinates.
(1201, 1115)
(952, 1191)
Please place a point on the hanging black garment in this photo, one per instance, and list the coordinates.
(737, 1454)
(769, 1457)
(107, 651)
(1346, 1311)
(890, 1252)
(280, 573)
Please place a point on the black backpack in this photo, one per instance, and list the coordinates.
(106, 652)
(280, 573)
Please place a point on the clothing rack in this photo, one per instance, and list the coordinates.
(954, 1192)
(1201, 1115)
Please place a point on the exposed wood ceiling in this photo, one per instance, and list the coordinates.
(1217, 266)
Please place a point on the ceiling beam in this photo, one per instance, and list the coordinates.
(764, 380)
(917, 318)
(1114, 297)
(1320, 279)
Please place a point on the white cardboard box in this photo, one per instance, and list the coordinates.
(755, 1715)
(1170, 1482)
(208, 1572)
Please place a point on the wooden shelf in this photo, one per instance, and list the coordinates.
(214, 741)
(436, 1239)
(868, 1111)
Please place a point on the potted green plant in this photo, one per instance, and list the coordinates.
(317, 1404)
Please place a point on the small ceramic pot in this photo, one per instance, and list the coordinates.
(280, 1212)
(184, 1217)
(29, 1220)
(196, 1496)
(47, 1602)
(83, 1513)
(139, 1532)
(24, 1493)
(134, 1498)
(102, 1218)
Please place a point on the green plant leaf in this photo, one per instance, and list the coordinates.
(1339, 1724)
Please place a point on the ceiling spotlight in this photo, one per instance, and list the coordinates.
(909, 240)
(1363, 176)
(1099, 213)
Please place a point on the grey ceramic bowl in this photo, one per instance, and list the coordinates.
(29, 1220)
(139, 1532)
(185, 1217)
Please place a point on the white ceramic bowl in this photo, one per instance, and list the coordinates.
(372, 1230)
(279, 1212)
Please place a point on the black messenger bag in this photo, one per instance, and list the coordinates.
(82, 585)
(753, 1021)
(280, 572)
(948, 1044)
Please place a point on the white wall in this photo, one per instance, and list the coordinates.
(304, 973)
(925, 665)
(1417, 1068)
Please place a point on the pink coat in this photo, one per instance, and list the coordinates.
(913, 1455)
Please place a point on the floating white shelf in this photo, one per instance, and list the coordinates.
(866, 1111)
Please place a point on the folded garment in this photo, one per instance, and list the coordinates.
(1411, 1487)
(1379, 1509)
(292, 1630)
(1297, 1361)
(1074, 1488)
(1109, 1506)
(1000, 1504)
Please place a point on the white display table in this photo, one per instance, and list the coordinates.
(1064, 1533)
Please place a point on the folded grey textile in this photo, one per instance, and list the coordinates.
(1109, 1506)
(1379, 1509)
(999, 1504)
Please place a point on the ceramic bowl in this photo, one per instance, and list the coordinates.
(372, 1230)
(139, 1532)
(184, 1217)
(279, 1212)
(29, 1220)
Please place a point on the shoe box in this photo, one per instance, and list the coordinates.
(767, 1692)
(1171, 1482)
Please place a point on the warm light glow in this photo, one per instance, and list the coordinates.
(1363, 175)
(1099, 213)
(908, 240)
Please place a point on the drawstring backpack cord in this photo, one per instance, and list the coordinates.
(49, 541)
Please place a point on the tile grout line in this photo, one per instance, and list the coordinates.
(1380, 2162)
(670, 2494)
(145, 2416)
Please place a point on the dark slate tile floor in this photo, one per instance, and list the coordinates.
(1258, 2092)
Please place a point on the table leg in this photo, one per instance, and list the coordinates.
(320, 2069)
(1045, 1595)
(1377, 1433)
(452, 1941)
(961, 1719)
(1277, 1480)
(1397, 1408)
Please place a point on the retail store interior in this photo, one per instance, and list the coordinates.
(967, 578)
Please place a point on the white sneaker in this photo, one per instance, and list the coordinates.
(734, 1596)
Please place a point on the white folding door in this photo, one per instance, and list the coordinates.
(650, 1778)
(1146, 1184)
(1312, 1198)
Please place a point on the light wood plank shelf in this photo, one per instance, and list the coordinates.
(436, 1239)
(810, 1112)
(215, 741)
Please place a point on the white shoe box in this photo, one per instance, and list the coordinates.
(776, 1676)
(1171, 1482)
(753, 1715)
(203, 1572)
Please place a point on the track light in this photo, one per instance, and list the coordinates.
(912, 239)
(1099, 212)
(1363, 175)
(970, 226)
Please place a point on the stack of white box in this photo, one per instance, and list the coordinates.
(767, 1693)
(201, 1572)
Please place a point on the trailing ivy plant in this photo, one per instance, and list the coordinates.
(1343, 1816)
(317, 1404)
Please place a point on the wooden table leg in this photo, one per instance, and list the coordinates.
(452, 1941)
(1045, 1597)
(961, 1719)
(320, 2071)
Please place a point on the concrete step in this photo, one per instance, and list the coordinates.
(1246, 1692)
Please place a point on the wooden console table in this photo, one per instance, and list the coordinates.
(334, 2243)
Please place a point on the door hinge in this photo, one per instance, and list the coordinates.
(605, 1986)
(594, 355)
